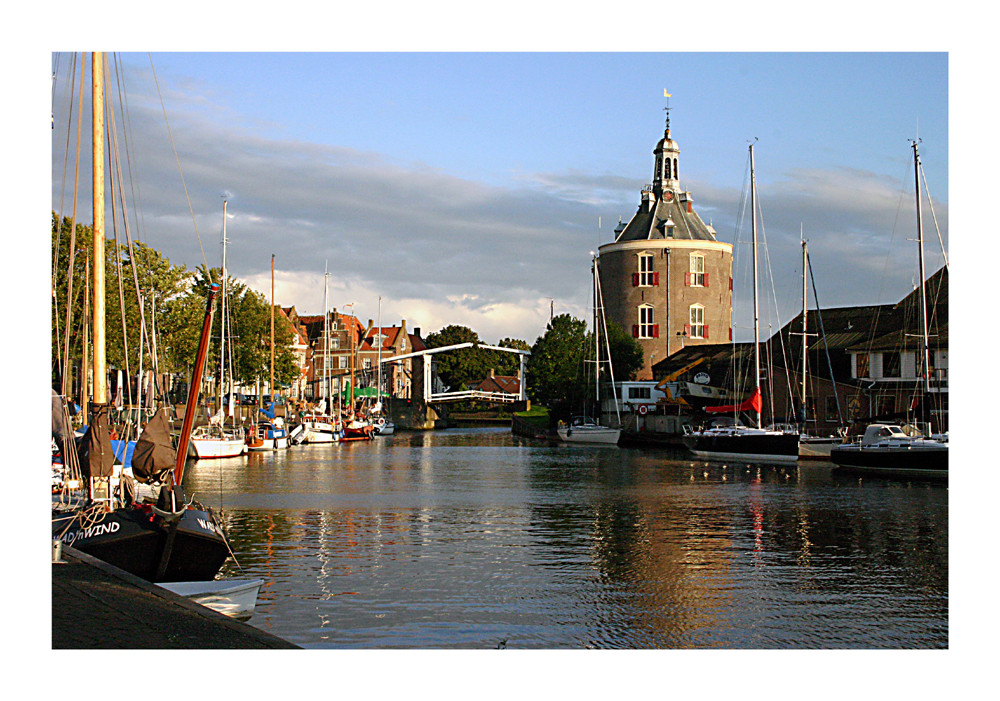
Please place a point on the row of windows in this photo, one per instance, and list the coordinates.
(696, 276)
(648, 328)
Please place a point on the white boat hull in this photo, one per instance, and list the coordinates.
(264, 444)
(217, 447)
(600, 435)
(236, 598)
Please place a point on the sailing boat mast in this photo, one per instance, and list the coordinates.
(805, 313)
(597, 347)
(328, 403)
(378, 338)
(925, 350)
(222, 316)
(97, 318)
(271, 385)
(756, 309)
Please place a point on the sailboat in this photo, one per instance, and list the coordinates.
(161, 540)
(586, 429)
(356, 426)
(269, 433)
(896, 450)
(731, 440)
(382, 425)
(812, 447)
(320, 426)
(215, 440)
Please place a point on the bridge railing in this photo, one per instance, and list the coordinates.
(474, 394)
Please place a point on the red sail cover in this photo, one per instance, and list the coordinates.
(754, 402)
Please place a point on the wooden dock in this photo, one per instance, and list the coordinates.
(97, 606)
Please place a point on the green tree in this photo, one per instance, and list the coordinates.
(555, 366)
(508, 363)
(626, 353)
(460, 368)
(248, 338)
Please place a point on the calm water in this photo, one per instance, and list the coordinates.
(467, 538)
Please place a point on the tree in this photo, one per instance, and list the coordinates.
(555, 366)
(464, 367)
(508, 363)
(626, 353)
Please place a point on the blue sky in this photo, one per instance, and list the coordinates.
(467, 187)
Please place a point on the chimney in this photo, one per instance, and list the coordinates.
(492, 374)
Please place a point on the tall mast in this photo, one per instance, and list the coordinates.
(326, 344)
(222, 314)
(271, 386)
(925, 351)
(378, 339)
(805, 313)
(756, 312)
(97, 319)
(597, 347)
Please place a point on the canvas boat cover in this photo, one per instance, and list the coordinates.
(96, 454)
(154, 455)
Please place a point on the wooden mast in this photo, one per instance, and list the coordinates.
(97, 280)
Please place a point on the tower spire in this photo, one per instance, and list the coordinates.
(666, 109)
(665, 177)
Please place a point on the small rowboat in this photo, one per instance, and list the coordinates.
(235, 598)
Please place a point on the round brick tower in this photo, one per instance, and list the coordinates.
(666, 279)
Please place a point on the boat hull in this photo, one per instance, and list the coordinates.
(753, 447)
(599, 436)
(134, 539)
(927, 461)
(817, 448)
(236, 598)
(216, 448)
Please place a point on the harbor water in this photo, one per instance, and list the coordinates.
(474, 538)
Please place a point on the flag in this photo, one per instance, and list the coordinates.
(665, 93)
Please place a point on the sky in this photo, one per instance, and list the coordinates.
(470, 188)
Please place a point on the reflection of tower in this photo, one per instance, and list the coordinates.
(666, 279)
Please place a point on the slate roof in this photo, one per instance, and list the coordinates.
(652, 225)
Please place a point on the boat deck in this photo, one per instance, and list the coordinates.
(95, 605)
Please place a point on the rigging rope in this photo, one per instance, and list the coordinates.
(177, 158)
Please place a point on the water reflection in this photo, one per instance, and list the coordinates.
(463, 539)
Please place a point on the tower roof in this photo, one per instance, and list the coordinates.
(666, 218)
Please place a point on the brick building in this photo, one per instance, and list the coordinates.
(666, 279)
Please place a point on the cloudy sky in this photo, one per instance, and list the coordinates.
(468, 187)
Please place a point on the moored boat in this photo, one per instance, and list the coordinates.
(236, 598)
(583, 429)
(887, 450)
(214, 441)
(735, 441)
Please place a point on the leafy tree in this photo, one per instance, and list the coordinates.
(508, 363)
(555, 366)
(248, 338)
(464, 367)
(626, 353)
